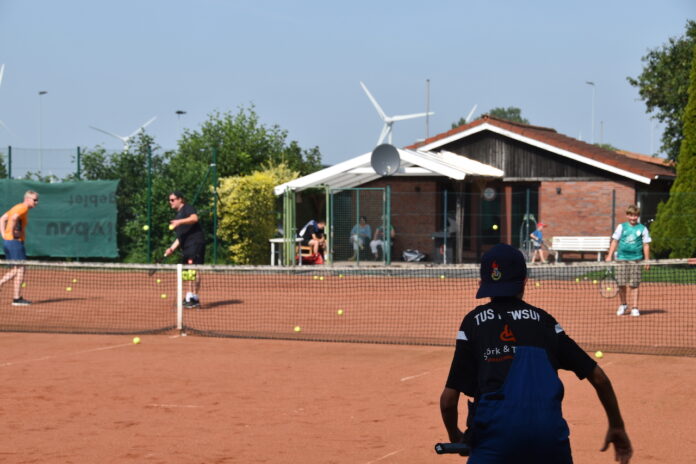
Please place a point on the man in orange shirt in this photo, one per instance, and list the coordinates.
(13, 225)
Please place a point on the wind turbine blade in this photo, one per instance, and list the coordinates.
(141, 128)
(120, 137)
(471, 113)
(379, 109)
(386, 132)
(2, 71)
(410, 116)
(4, 126)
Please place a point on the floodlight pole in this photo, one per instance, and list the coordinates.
(593, 108)
(41, 93)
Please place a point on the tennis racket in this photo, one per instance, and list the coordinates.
(158, 261)
(608, 286)
(452, 448)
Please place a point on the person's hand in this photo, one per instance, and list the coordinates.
(168, 252)
(608, 258)
(647, 267)
(622, 445)
(174, 223)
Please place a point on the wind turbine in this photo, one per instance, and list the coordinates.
(389, 120)
(125, 139)
(471, 113)
(2, 71)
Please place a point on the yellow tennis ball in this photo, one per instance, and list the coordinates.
(340, 276)
(321, 278)
(297, 328)
(538, 284)
(159, 281)
(339, 312)
(136, 340)
(442, 276)
(495, 226)
(164, 295)
(577, 279)
(68, 289)
(594, 282)
(599, 354)
(146, 227)
(316, 277)
(24, 284)
(74, 281)
(171, 226)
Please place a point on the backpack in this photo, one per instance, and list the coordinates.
(413, 256)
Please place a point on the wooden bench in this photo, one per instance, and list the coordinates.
(580, 245)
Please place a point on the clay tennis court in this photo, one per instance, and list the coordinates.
(171, 399)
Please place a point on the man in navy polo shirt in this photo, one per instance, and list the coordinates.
(506, 358)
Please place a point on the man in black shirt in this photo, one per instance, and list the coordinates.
(190, 237)
(506, 358)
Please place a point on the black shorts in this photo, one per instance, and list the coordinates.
(193, 254)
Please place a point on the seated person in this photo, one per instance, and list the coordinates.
(313, 236)
(360, 236)
(378, 240)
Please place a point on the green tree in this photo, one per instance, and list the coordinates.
(663, 86)
(510, 113)
(674, 229)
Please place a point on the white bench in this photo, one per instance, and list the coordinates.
(580, 245)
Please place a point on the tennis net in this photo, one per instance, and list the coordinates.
(401, 305)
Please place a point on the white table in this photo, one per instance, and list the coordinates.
(273, 242)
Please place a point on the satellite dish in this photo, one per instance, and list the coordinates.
(385, 159)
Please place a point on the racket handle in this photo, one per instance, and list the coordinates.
(452, 448)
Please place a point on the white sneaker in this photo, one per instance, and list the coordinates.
(622, 310)
(635, 312)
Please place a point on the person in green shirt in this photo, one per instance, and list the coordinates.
(631, 240)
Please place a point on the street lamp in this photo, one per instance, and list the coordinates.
(41, 93)
(593, 107)
(179, 113)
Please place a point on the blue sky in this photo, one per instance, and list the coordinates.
(115, 64)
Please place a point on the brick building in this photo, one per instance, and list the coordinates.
(491, 180)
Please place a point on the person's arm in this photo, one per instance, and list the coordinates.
(612, 249)
(192, 219)
(646, 254)
(12, 223)
(449, 402)
(393, 232)
(172, 248)
(3, 223)
(616, 433)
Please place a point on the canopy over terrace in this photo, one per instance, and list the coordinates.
(358, 171)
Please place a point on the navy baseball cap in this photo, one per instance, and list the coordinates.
(503, 272)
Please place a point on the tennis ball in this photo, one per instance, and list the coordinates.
(340, 276)
(339, 312)
(495, 226)
(159, 281)
(68, 289)
(171, 226)
(24, 284)
(74, 281)
(321, 278)
(136, 340)
(594, 282)
(442, 276)
(599, 354)
(164, 295)
(297, 328)
(316, 277)
(538, 284)
(146, 227)
(577, 279)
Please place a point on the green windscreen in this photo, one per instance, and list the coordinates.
(72, 219)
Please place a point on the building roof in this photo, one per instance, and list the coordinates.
(621, 163)
(358, 171)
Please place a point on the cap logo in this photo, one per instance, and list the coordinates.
(495, 272)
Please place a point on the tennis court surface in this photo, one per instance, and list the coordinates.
(172, 399)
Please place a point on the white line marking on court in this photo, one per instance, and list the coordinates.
(46, 358)
(386, 456)
(411, 377)
(157, 405)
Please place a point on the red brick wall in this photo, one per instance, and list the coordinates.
(583, 208)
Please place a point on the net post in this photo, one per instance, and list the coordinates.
(179, 298)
